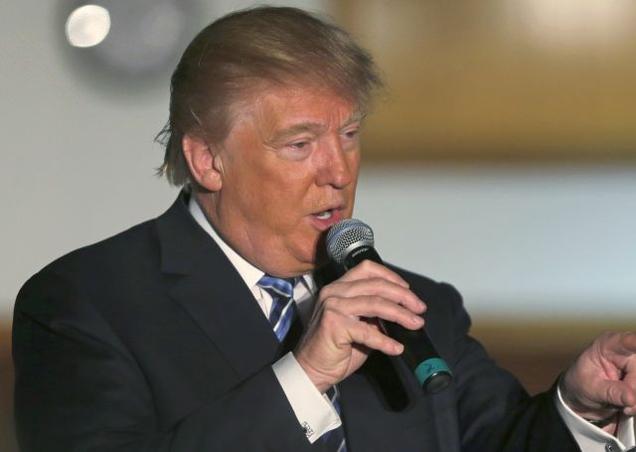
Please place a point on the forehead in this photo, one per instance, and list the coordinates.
(277, 106)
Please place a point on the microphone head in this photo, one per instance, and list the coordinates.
(345, 236)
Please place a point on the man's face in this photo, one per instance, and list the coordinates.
(289, 169)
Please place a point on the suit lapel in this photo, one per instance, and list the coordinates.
(209, 288)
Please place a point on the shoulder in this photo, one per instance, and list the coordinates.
(446, 318)
(442, 294)
(93, 268)
(109, 254)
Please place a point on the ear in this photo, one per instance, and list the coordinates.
(205, 165)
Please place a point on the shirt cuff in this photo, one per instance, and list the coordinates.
(314, 411)
(589, 437)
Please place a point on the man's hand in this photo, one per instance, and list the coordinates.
(602, 381)
(343, 329)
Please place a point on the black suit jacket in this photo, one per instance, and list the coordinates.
(150, 341)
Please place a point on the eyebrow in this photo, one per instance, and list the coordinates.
(355, 117)
(312, 127)
(289, 132)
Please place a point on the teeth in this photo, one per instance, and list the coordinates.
(324, 215)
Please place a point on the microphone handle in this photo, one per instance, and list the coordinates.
(420, 356)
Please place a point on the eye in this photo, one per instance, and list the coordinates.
(351, 133)
(299, 145)
(297, 149)
(350, 138)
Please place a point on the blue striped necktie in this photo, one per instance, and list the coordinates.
(283, 311)
(281, 316)
(335, 439)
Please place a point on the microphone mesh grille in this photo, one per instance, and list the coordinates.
(344, 234)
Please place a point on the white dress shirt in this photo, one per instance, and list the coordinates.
(590, 438)
(314, 411)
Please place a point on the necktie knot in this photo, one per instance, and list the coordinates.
(277, 287)
(283, 311)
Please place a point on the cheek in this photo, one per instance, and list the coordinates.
(354, 165)
(294, 190)
(278, 207)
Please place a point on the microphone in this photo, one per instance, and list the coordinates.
(349, 242)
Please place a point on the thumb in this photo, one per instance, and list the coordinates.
(617, 393)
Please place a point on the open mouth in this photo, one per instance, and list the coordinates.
(324, 215)
(326, 218)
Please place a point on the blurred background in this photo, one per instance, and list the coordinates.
(501, 157)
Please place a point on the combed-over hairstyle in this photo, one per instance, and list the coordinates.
(271, 44)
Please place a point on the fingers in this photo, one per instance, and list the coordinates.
(617, 352)
(375, 287)
(628, 343)
(619, 394)
(372, 279)
(369, 269)
(604, 376)
(366, 334)
(623, 344)
(375, 307)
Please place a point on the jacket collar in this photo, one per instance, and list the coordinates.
(210, 289)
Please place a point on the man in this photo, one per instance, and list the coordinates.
(181, 333)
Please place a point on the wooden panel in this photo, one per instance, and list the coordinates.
(537, 351)
(499, 79)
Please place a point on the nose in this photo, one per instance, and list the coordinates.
(337, 167)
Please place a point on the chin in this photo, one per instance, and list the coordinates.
(312, 256)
